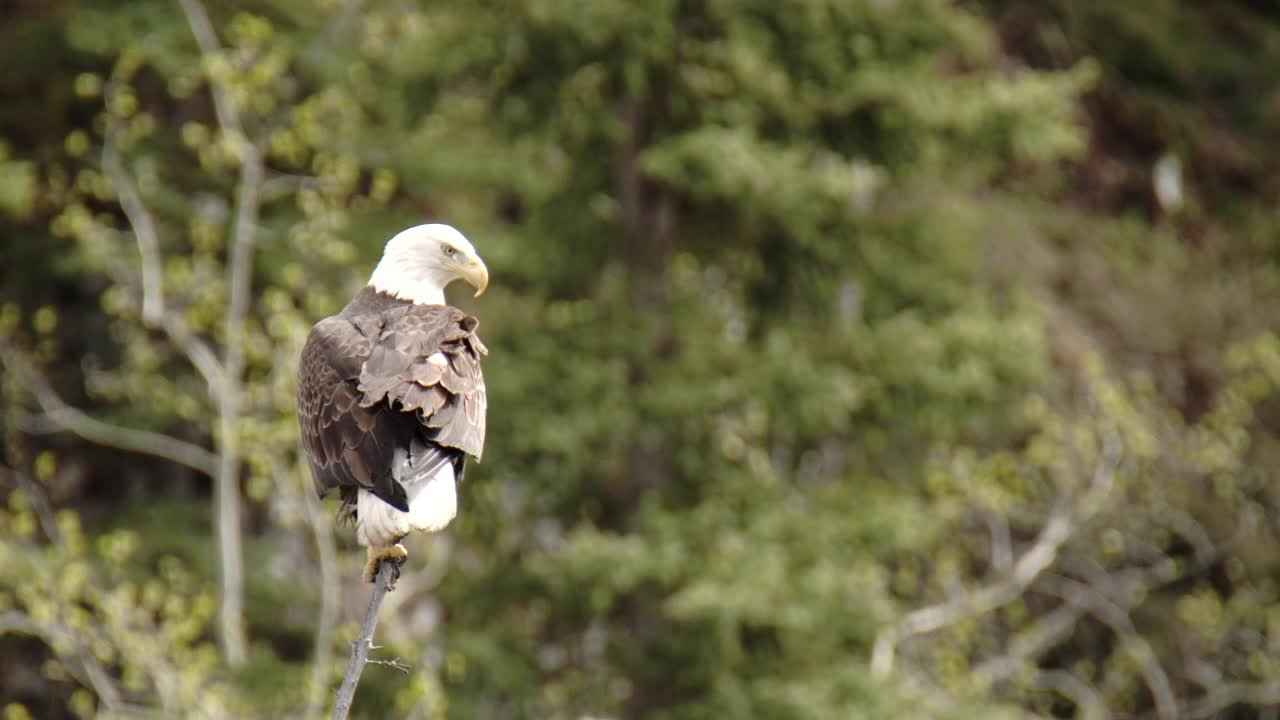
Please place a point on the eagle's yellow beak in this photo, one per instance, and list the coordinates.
(475, 273)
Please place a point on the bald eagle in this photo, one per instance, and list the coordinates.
(391, 400)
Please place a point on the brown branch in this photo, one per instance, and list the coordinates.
(363, 644)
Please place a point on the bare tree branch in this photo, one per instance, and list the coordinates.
(1031, 643)
(1087, 700)
(207, 40)
(239, 281)
(1224, 696)
(85, 665)
(155, 311)
(156, 314)
(1116, 617)
(140, 219)
(1062, 522)
(363, 644)
(39, 502)
(1001, 544)
(1192, 531)
(1126, 589)
(74, 420)
(11, 385)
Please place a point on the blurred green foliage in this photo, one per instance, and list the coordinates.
(807, 322)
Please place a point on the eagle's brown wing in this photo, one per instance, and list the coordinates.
(405, 377)
(427, 361)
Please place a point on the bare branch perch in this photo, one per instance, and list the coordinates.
(363, 644)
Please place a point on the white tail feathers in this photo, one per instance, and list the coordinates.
(430, 486)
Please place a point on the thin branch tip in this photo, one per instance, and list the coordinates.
(360, 647)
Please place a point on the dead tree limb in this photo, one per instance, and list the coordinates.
(363, 644)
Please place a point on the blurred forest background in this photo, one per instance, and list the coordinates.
(849, 358)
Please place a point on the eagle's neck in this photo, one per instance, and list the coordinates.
(410, 279)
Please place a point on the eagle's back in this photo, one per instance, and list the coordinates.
(380, 375)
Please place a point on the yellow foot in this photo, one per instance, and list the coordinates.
(395, 553)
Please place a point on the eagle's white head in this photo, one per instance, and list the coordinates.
(419, 262)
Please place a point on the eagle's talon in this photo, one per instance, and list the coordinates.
(395, 553)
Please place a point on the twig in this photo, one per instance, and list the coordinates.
(363, 644)
(394, 664)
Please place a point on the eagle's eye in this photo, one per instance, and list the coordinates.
(449, 250)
